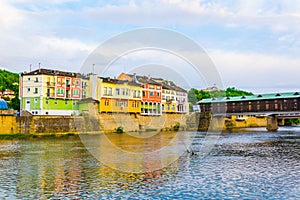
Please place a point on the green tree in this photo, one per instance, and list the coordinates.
(195, 95)
(233, 92)
(10, 80)
(192, 96)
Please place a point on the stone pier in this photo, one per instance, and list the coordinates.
(272, 123)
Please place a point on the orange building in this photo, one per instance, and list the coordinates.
(151, 93)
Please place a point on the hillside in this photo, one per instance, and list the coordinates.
(195, 95)
(10, 80)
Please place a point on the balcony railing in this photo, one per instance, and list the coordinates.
(50, 84)
(50, 94)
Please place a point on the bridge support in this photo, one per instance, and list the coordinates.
(281, 122)
(272, 123)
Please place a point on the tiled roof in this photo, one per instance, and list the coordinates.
(252, 98)
(52, 72)
(156, 81)
(116, 81)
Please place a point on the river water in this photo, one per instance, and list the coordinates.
(248, 164)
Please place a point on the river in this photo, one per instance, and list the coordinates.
(248, 164)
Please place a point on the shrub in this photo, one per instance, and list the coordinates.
(120, 129)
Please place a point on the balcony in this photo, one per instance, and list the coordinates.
(50, 95)
(169, 100)
(50, 84)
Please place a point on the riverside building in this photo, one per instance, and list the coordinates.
(54, 92)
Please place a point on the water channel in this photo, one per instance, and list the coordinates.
(248, 164)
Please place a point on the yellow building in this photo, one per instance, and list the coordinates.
(119, 96)
(168, 99)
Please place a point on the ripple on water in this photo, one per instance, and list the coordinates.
(250, 165)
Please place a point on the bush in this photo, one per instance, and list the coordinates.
(120, 129)
(176, 127)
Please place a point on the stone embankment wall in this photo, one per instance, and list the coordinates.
(206, 121)
(88, 123)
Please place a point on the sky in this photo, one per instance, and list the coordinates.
(254, 44)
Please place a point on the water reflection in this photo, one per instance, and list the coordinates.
(247, 165)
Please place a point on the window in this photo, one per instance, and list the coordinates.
(66, 102)
(56, 102)
(47, 102)
(151, 94)
(105, 90)
(158, 94)
(110, 91)
(76, 92)
(139, 94)
(118, 91)
(106, 102)
(162, 106)
(134, 93)
(173, 107)
(123, 91)
(28, 89)
(35, 100)
(144, 93)
(46, 113)
(28, 79)
(137, 104)
(267, 106)
(36, 79)
(133, 104)
(35, 90)
(60, 91)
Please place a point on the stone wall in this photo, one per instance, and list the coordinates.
(88, 123)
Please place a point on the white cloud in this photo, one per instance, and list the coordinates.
(10, 17)
(251, 70)
(52, 34)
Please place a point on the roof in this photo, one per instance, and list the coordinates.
(52, 72)
(252, 98)
(116, 81)
(156, 81)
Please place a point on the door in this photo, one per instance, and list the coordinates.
(27, 107)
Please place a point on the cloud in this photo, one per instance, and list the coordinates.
(255, 42)
(10, 17)
(252, 70)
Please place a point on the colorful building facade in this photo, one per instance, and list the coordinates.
(151, 93)
(119, 96)
(53, 92)
(50, 92)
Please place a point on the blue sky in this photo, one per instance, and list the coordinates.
(254, 44)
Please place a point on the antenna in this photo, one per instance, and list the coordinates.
(39, 66)
(93, 68)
